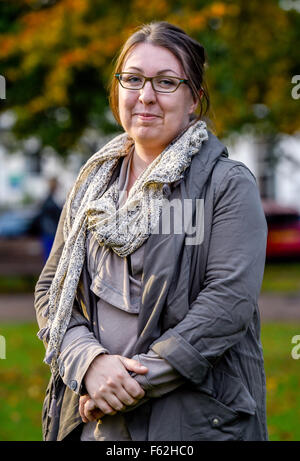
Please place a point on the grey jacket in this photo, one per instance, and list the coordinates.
(198, 311)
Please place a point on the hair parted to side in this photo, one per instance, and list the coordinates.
(189, 52)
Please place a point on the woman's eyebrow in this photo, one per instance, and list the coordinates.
(160, 72)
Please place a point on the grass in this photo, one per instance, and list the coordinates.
(24, 378)
(17, 283)
(283, 277)
(283, 380)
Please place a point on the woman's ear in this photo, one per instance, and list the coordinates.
(195, 102)
(193, 105)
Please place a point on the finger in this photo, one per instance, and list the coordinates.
(82, 401)
(116, 387)
(125, 398)
(112, 399)
(97, 414)
(104, 407)
(89, 407)
(132, 387)
(94, 415)
(133, 365)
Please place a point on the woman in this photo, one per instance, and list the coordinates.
(153, 333)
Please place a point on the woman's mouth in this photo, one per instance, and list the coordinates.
(146, 116)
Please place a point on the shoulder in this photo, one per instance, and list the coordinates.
(231, 175)
(226, 168)
(215, 153)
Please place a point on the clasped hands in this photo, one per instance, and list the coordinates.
(110, 387)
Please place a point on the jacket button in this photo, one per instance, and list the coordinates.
(166, 190)
(73, 385)
(62, 370)
(216, 421)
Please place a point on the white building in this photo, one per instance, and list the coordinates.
(21, 181)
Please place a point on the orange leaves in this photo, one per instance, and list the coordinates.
(197, 21)
(73, 57)
(200, 18)
(55, 90)
(7, 46)
(250, 46)
(151, 10)
(217, 9)
(78, 6)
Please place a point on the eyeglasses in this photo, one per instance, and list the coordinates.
(160, 83)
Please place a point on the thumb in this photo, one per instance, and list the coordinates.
(133, 365)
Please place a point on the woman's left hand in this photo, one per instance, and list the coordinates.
(88, 409)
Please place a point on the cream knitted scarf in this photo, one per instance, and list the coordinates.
(91, 207)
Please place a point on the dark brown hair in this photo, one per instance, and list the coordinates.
(188, 51)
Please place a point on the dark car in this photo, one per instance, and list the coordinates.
(283, 231)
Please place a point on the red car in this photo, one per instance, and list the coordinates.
(283, 231)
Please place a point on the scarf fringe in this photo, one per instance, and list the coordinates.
(49, 356)
(44, 333)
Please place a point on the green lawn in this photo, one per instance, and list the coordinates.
(283, 380)
(23, 378)
(281, 278)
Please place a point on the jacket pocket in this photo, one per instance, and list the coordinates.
(232, 393)
(224, 414)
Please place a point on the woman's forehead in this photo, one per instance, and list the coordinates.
(145, 58)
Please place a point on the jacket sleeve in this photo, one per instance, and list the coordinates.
(161, 377)
(79, 346)
(220, 315)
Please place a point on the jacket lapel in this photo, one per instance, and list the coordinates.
(163, 252)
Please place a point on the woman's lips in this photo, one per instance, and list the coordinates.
(145, 116)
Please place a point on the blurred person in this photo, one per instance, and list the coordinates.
(48, 218)
(155, 335)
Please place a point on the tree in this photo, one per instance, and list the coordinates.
(57, 59)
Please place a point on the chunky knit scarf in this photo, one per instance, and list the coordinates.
(92, 207)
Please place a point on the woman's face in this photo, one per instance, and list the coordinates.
(153, 119)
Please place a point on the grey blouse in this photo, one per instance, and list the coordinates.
(117, 287)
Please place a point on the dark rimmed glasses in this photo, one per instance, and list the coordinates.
(160, 83)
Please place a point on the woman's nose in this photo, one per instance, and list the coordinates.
(147, 94)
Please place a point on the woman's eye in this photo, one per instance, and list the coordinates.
(133, 79)
(166, 83)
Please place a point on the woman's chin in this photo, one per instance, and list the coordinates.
(147, 135)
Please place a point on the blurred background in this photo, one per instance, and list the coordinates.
(56, 59)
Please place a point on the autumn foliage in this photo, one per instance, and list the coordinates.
(57, 59)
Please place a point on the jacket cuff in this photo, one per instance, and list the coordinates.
(161, 377)
(182, 356)
(75, 360)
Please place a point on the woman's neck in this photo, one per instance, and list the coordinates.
(142, 157)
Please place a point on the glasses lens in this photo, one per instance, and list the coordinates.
(131, 81)
(165, 84)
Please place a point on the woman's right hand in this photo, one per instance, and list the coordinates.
(110, 385)
(88, 409)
